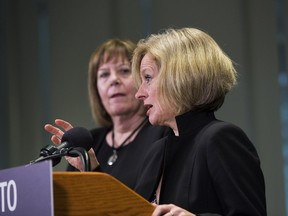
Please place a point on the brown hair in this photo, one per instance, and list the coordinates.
(113, 48)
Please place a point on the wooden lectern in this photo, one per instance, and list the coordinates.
(93, 193)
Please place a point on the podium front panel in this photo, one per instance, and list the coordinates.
(27, 190)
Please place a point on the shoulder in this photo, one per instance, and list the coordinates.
(221, 126)
(225, 140)
(219, 130)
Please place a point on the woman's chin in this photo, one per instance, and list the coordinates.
(154, 121)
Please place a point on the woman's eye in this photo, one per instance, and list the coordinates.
(103, 74)
(125, 71)
(147, 78)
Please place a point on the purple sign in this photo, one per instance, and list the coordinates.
(27, 190)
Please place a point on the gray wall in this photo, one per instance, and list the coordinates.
(46, 45)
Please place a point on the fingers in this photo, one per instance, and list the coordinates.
(63, 124)
(56, 132)
(75, 162)
(162, 210)
(56, 140)
(93, 160)
(170, 210)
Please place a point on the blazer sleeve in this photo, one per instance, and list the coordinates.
(235, 169)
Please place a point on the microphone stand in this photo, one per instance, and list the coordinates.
(55, 157)
(71, 152)
(83, 154)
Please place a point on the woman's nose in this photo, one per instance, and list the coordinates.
(115, 80)
(140, 94)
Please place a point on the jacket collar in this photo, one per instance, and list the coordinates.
(192, 120)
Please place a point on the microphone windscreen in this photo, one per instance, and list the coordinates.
(78, 137)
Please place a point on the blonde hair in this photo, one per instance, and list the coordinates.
(194, 73)
(113, 48)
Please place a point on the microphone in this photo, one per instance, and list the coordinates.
(75, 137)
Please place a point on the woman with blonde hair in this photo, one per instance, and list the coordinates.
(206, 166)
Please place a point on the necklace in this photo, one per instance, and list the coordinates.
(112, 159)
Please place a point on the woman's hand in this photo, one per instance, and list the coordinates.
(57, 135)
(170, 210)
(77, 163)
(56, 132)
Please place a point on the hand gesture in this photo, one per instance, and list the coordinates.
(57, 135)
(56, 132)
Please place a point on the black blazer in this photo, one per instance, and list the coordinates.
(211, 167)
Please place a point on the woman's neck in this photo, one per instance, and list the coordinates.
(123, 128)
(124, 125)
(173, 125)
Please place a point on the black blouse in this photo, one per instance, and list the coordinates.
(130, 157)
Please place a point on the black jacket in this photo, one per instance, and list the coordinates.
(211, 167)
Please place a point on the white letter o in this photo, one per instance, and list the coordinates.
(11, 184)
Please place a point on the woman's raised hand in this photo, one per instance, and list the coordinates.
(56, 132)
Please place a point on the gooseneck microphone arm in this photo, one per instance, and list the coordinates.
(55, 157)
(75, 143)
(84, 157)
(71, 152)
